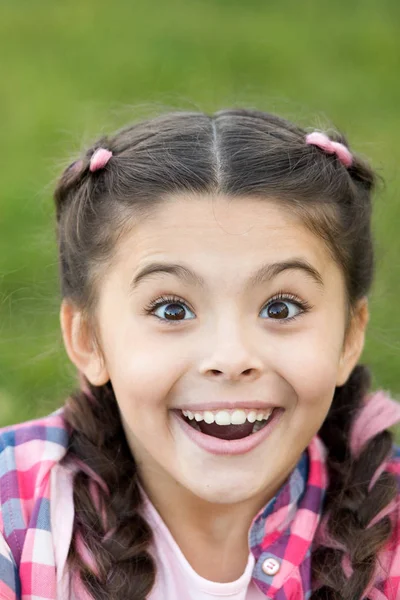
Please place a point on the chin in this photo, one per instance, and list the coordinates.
(217, 492)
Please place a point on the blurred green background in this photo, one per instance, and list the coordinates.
(72, 70)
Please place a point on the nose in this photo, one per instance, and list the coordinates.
(233, 355)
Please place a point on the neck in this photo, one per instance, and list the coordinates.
(213, 537)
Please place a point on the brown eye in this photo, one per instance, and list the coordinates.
(174, 311)
(278, 310)
(169, 309)
(283, 308)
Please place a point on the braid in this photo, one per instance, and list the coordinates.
(108, 552)
(344, 561)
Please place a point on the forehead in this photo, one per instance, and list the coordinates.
(216, 226)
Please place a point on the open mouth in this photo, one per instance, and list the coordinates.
(228, 424)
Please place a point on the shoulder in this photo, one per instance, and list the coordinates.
(387, 580)
(28, 448)
(379, 412)
(394, 463)
(393, 466)
(28, 451)
(52, 427)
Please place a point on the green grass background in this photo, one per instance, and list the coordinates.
(71, 70)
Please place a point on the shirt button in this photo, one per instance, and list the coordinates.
(271, 566)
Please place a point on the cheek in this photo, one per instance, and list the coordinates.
(309, 364)
(143, 369)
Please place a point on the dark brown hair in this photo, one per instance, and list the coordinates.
(237, 153)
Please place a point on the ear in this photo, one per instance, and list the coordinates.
(354, 342)
(80, 345)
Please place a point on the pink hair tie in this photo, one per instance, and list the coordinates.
(316, 138)
(99, 159)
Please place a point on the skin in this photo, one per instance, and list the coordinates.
(227, 347)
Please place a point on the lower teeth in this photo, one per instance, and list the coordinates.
(258, 425)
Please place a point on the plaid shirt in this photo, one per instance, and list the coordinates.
(281, 537)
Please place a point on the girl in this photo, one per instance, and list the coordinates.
(223, 440)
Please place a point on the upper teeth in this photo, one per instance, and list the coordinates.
(228, 417)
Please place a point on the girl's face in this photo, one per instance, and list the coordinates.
(218, 342)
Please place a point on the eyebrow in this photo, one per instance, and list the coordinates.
(263, 274)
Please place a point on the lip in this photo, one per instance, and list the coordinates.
(228, 447)
(233, 405)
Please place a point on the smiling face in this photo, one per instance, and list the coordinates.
(220, 340)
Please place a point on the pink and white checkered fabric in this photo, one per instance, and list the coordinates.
(28, 451)
(285, 530)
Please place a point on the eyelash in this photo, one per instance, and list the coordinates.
(171, 299)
